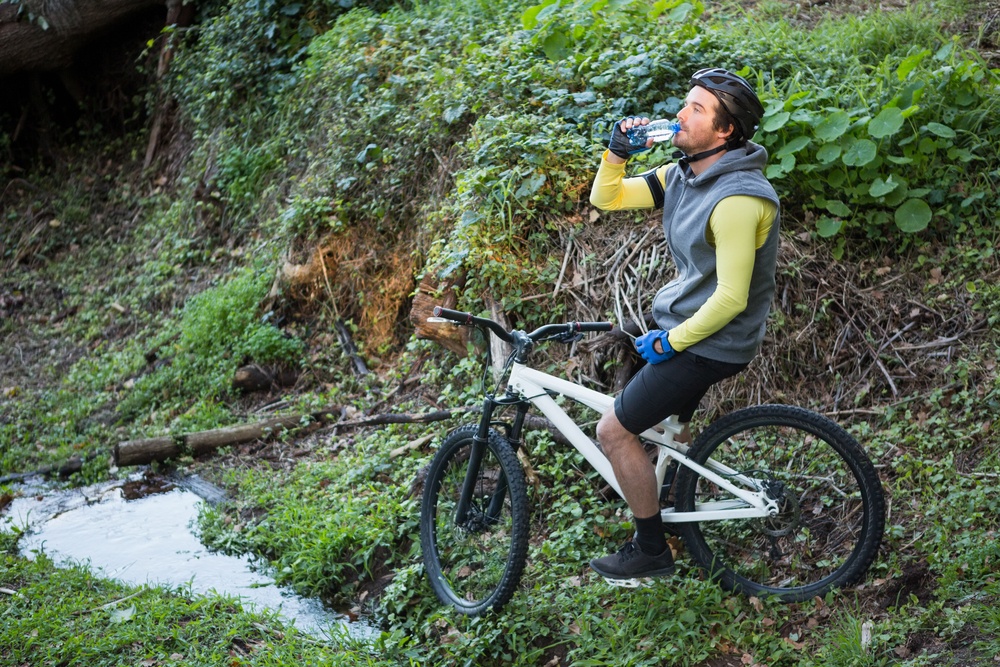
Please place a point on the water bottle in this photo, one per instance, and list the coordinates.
(658, 130)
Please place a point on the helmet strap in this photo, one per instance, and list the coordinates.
(684, 157)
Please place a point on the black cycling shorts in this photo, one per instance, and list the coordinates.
(673, 387)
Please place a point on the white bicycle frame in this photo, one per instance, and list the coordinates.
(534, 386)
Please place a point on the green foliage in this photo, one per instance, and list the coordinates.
(56, 615)
(243, 54)
(894, 141)
(219, 330)
(326, 527)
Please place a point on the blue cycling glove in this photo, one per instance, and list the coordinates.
(644, 345)
(619, 144)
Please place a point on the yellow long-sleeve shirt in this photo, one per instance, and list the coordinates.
(738, 226)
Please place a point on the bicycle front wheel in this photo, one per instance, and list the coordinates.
(831, 506)
(474, 552)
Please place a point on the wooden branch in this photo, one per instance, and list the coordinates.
(74, 464)
(410, 446)
(347, 342)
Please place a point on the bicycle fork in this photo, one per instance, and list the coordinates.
(477, 453)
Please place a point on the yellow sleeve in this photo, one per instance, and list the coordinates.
(738, 226)
(612, 191)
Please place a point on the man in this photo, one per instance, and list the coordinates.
(720, 216)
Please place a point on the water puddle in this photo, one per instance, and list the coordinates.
(149, 539)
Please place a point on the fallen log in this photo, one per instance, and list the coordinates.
(64, 470)
(199, 443)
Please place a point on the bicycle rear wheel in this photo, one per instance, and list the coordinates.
(832, 509)
(474, 563)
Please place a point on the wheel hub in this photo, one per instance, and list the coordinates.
(789, 515)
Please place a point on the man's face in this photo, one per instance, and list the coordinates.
(697, 120)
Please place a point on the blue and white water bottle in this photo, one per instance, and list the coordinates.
(657, 130)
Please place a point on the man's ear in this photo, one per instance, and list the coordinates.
(727, 135)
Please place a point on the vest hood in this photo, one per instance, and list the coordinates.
(745, 158)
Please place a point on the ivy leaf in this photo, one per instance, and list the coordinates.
(451, 114)
(833, 126)
(887, 123)
(530, 186)
(859, 153)
(880, 188)
(913, 216)
(370, 152)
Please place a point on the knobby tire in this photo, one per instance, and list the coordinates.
(832, 508)
(475, 567)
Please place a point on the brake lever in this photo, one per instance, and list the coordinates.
(568, 337)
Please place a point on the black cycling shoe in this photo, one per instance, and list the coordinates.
(631, 562)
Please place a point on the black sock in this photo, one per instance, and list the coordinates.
(649, 535)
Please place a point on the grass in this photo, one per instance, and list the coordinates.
(55, 615)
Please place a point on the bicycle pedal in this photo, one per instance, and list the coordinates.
(640, 582)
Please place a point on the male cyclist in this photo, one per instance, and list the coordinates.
(720, 216)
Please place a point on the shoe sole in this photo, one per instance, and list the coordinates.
(662, 572)
(629, 583)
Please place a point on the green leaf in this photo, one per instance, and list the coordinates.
(913, 216)
(887, 123)
(833, 126)
(529, 19)
(942, 131)
(680, 13)
(880, 188)
(859, 153)
(838, 208)
(556, 46)
(776, 122)
(530, 186)
(370, 152)
(122, 615)
(910, 63)
(828, 153)
(451, 114)
(774, 171)
(793, 146)
(827, 226)
(960, 154)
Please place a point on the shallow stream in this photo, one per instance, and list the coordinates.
(150, 539)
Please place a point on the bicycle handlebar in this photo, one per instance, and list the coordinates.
(570, 328)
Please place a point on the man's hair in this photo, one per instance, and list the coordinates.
(722, 120)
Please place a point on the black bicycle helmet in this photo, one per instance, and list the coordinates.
(737, 97)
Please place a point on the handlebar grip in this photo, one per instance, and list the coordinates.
(453, 315)
(586, 327)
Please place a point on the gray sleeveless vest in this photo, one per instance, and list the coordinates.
(687, 205)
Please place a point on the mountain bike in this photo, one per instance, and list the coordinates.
(770, 500)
